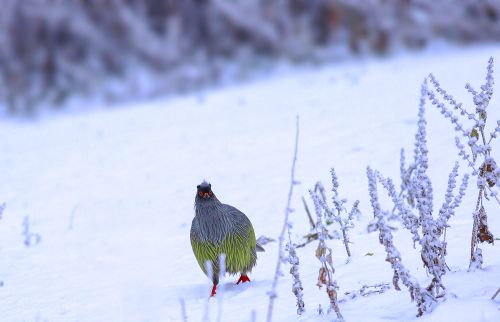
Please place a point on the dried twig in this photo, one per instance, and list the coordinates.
(311, 237)
(264, 240)
(311, 221)
(366, 290)
(496, 293)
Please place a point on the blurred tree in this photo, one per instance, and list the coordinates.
(52, 49)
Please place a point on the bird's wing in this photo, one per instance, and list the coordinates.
(240, 244)
(241, 223)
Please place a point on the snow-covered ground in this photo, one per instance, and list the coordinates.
(111, 194)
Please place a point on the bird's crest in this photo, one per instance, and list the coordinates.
(205, 190)
(204, 186)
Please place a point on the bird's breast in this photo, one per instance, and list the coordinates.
(212, 228)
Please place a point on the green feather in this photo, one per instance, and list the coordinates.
(239, 251)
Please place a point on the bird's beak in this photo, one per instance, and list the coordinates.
(206, 195)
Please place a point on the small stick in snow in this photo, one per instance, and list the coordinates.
(253, 316)
(495, 295)
(183, 310)
(2, 208)
(72, 217)
(30, 239)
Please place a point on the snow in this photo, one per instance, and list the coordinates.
(111, 194)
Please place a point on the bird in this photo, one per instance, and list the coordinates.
(219, 229)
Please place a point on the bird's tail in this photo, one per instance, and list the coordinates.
(261, 241)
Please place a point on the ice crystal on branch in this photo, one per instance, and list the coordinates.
(406, 173)
(297, 288)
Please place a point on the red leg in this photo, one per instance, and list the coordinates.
(243, 279)
(214, 289)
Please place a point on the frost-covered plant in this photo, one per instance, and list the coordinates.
(324, 255)
(406, 173)
(30, 238)
(337, 213)
(407, 189)
(406, 193)
(425, 301)
(426, 229)
(292, 256)
(480, 158)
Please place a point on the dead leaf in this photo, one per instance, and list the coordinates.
(483, 233)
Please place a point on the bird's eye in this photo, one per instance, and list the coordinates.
(200, 193)
(198, 187)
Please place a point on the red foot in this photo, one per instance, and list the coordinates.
(214, 289)
(243, 279)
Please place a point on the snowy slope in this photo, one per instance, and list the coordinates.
(111, 195)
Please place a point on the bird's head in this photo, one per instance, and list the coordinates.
(205, 191)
